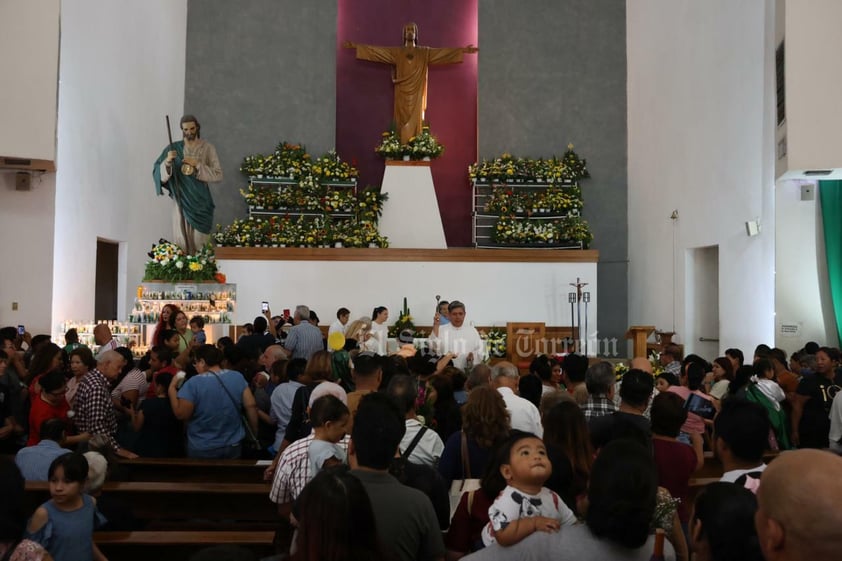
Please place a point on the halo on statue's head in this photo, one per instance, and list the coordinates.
(336, 341)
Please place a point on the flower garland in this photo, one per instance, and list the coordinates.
(169, 262)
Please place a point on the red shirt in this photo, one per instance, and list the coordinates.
(151, 391)
(42, 411)
(676, 462)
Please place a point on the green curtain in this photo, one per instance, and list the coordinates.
(830, 195)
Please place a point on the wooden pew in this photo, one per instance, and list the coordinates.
(177, 545)
(185, 505)
(190, 470)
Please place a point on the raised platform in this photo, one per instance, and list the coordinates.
(496, 285)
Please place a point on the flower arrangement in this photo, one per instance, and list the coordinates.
(288, 160)
(564, 231)
(510, 169)
(424, 145)
(420, 147)
(495, 343)
(390, 146)
(404, 321)
(169, 262)
(620, 370)
(331, 167)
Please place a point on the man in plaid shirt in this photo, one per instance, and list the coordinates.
(293, 471)
(599, 380)
(93, 407)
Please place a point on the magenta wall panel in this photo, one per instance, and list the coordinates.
(364, 95)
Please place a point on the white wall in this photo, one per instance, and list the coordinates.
(813, 81)
(701, 130)
(122, 70)
(802, 296)
(26, 253)
(29, 37)
(493, 293)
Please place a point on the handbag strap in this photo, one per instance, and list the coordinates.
(228, 393)
(466, 460)
(414, 443)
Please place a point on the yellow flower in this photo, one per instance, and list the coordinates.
(195, 266)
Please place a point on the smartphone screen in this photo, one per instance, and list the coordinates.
(21, 330)
(286, 312)
(264, 306)
(700, 406)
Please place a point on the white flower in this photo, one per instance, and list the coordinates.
(179, 264)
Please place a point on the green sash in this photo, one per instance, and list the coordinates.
(192, 195)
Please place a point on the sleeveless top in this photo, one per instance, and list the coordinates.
(68, 536)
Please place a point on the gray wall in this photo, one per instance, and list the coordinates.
(259, 72)
(551, 72)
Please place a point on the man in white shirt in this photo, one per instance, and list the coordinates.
(463, 341)
(524, 415)
(742, 435)
(338, 326)
(104, 338)
(427, 451)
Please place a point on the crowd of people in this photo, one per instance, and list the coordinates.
(434, 453)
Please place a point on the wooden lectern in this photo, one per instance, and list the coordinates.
(639, 334)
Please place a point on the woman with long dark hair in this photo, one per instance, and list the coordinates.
(46, 359)
(336, 521)
(722, 528)
(569, 449)
(723, 375)
(446, 414)
(485, 423)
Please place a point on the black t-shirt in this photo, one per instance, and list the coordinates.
(620, 425)
(815, 421)
(253, 345)
(161, 434)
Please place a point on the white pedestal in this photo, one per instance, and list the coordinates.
(411, 214)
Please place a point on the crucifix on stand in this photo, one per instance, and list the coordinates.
(578, 298)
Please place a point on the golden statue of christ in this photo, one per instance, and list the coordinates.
(409, 75)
